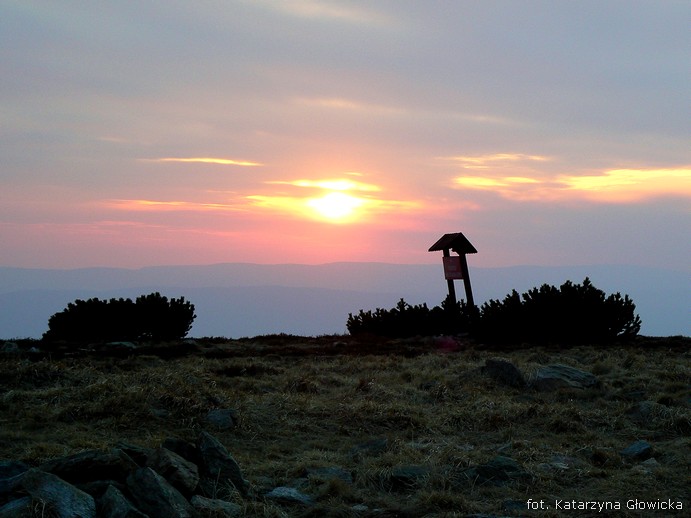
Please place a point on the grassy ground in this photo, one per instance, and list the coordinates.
(307, 403)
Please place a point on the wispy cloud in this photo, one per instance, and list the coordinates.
(169, 206)
(493, 160)
(343, 184)
(206, 160)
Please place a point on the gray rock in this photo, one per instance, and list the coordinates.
(91, 465)
(497, 472)
(138, 454)
(181, 473)
(216, 508)
(330, 473)
(11, 484)
(65, 500)
(640, 450)
(153, 495)
(222, 418)
(504, 372)
(185, 449)
(218, 464)
(555, 377)
(114, 504)
(19, 508)
(407, 478)
(289, 495)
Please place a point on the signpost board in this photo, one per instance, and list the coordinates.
(452, 268)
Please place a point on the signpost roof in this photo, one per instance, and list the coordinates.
(456, 242)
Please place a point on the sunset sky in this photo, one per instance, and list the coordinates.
(149, 133)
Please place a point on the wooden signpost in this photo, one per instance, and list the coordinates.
(456, 267)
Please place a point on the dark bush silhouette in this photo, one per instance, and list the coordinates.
(572, 313)
(151, 317)
(405, 320)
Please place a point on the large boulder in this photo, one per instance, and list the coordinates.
(91, 465)
(181, 473)
(63, 499)
(504, 372)
(153, 495)
(114, 504)
(555, 377)
(218, 465)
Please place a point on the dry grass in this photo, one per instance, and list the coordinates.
(307, 403)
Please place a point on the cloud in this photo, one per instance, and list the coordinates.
(206, 160)
(325, 10)
(333, 185)
(169, 206)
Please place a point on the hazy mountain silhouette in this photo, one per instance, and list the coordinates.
(241, 299)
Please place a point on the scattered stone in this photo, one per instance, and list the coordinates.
(504, 372)
(186, 450)
(370, 448)
(114, 504)
(218, 464)
(407, 478)
(222, 418)
(555, 377)
(182, 474)
(332, 473)
(497, 472)
(289, 495)
(65, 500)
(156, 497)
(92, 464)
(216, 508)
(640, 450)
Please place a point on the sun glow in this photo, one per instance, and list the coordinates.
(336, 205)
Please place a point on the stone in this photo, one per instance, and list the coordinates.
(91, 465)
(372, 448)
(639, 450)
(12, 468)
(185, 449)
(222, 418)
(182, 474)
(64, 500)
(497, 472)
(114, 504)
(138, 454)
(407, 478)
(218, 464)
(289, 495)
(10, 485)
(19, 508)
(504, 372)
(154, 496)
(330, 473)
(216, 508)
(555, 377)
(97, 488)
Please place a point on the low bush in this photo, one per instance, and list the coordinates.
(572, 313)
(151, 317)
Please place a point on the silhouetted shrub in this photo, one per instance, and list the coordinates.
(151, 317)
(405, 320)
(572, 313)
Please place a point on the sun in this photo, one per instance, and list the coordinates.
(336, 206)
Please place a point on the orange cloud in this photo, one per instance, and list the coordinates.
(169, 206)
(206, 160)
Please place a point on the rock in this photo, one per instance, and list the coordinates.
(555, 377)
(222, 418)
(19, 508)
(138, 454)
(12, 468)
(497, 472)
(640, 450)
(91, 465)
(289, 495)
(504, 372)
(646, 413)
(406, 478)
(181, 473)
(114, 504)
(331, 473)
(218, 464)
(97, 488)
(186, 450)
(370, 448)
(65, 500)
(153, 495)
(216, 508)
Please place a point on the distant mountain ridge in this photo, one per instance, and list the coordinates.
(245, 299)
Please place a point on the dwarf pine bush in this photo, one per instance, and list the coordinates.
(151, 317)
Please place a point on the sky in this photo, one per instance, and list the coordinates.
(155, 133)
